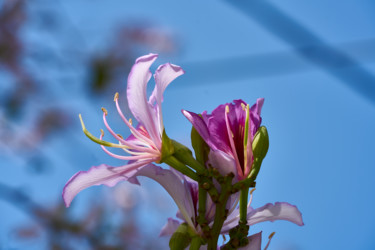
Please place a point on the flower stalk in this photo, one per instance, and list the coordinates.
(221, 212)
(243, 205)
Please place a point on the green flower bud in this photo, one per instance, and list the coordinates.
(260, 148)
(260, 143)
(181, 238)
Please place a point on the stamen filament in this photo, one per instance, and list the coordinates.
(124, 142)
(121, 157)
(139, 153)
(231, 141)
(249, 142)
(97, 140)
(251, 197)
(129, 124)
(269, 240)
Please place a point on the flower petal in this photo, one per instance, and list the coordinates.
(170, 227)
(98, 175)
(200, 126)
(164, 75)
(257, 107)
(255, 115)
(173, 185)
(268, 212)
(255, 242)
(137, 94)
(277, 211)
(223, 162)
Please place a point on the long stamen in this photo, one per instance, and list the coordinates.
(251, 197)
(126, 143)
(121, 157)
(231, 141)
(97, 140)
(234, 205)
(269, 240)
(129, 124)
(248, 151)
(151, 151)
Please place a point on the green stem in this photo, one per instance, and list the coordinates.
(243, 205)
(220, 212)
(195, 244)
(179, 166)
(255, 168)
(202, 197)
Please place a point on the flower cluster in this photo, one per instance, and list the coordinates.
(211, 189)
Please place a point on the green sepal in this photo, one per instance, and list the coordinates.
(167, 148)
(200, 147)
(181, 238)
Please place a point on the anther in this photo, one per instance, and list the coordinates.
(227, 109)
(130, 121)
(105, 111)
(252, 191)
(120, 136)
(101, 132)
(116, 97)
(269, 240)
(271, 235)
(243, 106)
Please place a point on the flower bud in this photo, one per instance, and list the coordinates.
(260, 143)
(260, 147)
(181, 238)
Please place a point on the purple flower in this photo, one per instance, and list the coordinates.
(229, 132)
(145, 144)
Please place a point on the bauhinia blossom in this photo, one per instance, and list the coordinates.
(229, 132)
(145, 144)
(188, 204)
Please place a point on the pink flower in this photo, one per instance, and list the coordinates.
(229, 132)
(145, 144)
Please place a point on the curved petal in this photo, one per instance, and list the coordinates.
(170, 227)
(257, 107)
(173, 185)
(255, 115)
(200, 126)
(137, 94)
(255, 242)
(268, 212)
(164, 75)
(277, 211)
(98, 175)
